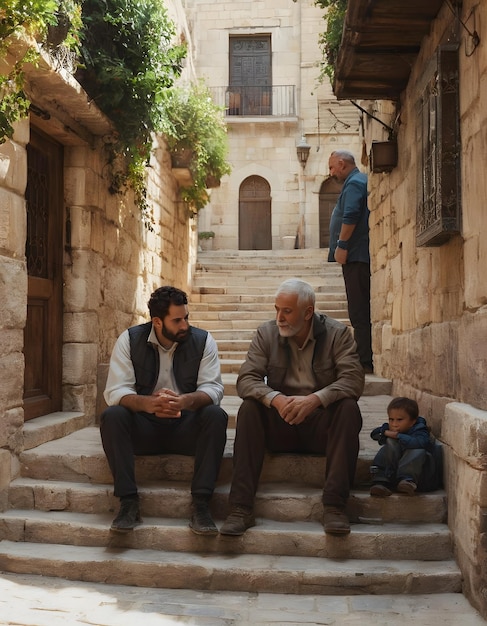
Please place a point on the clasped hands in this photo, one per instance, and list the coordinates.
(166, 403)
(295, 409)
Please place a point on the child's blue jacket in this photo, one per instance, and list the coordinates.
(418, 436)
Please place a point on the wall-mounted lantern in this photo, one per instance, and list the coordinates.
(383, 156)
(302, 150)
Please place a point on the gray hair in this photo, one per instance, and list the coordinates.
(304, 291)
(346, 155)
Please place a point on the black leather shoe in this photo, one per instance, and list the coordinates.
(128, 517)
(201, 522)
(238, 521)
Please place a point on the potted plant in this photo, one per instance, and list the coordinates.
(195, 130)
(205, 238)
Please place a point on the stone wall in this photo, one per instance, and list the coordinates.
(430, 313)
(112, 262)
(429, 304)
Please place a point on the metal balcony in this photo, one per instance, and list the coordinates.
(254, 101)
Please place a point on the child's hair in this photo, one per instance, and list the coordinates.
(407, 404)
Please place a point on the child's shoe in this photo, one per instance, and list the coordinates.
(380, 490)
(407, 486)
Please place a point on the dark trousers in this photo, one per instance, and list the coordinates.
(357, 285)
(393, 463)
(332, 432)
(201, 434)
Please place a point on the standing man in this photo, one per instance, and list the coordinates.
(164, 389)
(349, 246)
(300, 384)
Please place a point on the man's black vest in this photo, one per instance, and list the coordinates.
(186, 361)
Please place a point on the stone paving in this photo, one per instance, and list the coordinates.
(40, 601)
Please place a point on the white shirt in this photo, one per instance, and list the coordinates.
(121, 375)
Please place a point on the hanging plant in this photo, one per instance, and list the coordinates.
(195, 129)
(331, 38)
(27, 18)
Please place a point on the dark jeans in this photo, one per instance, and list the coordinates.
(332, 432)
(393, 463)
(201, 434)
(357, 285)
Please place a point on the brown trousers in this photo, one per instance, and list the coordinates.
(332, 432)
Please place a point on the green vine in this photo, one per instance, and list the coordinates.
(128, 64)
(33, 18)
(331, 38)
(17, 18)
(128, 61)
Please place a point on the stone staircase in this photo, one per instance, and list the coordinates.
(61, 505)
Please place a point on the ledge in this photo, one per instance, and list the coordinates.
(183, 176)
(464, 428)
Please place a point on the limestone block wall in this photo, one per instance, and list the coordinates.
(13, 298)
(429, 305)
(112, 263)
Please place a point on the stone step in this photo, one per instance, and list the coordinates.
(284, 265)
(270, 279)
(237, 323)
(226, 354)
(260, 257)
(259, 285)
(287, 264)
(238, 572)
(53, 426)
(259, 289)
(251, 302)
(374, 386)
(431, 542)
(232, 344)
(283, 502)
(79, 455)
(230, 366)
(258, 316)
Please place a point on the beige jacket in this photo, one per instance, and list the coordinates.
(336, 364)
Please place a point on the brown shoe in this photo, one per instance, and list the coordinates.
(380, 490)
(335, 522)
(238, 521)
(407, 486)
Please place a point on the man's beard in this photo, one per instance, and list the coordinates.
(290, 331)
(179, 337)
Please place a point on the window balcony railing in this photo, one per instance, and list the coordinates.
(251, 101)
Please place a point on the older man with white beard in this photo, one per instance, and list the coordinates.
(300, 384)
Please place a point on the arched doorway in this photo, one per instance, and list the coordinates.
(254, 214)
(329, 192)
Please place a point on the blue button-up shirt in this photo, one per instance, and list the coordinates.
(351, 208)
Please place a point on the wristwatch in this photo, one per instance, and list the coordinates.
(342, 244)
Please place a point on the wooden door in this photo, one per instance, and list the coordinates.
(254, 224)
(43, 331)
(250, 75)
(329, 192)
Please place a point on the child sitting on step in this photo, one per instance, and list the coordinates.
(409, 458)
